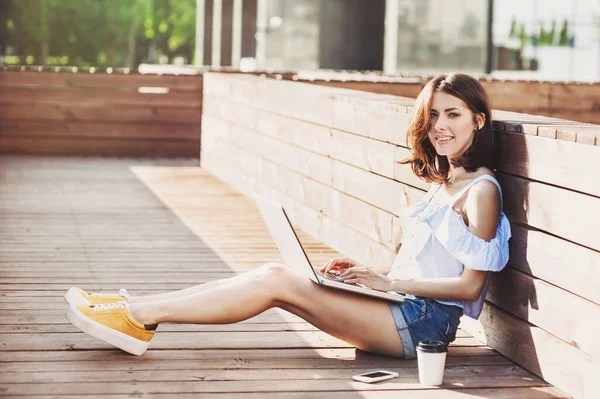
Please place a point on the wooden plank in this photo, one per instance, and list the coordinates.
(302, 134)
(58, 316)
(524, 97)
(135, 130)
(56, 112)
(264, 386)
(278, 96)
(124, 280)
(349, 211)
(243, 358)
(304, 162)
(370, 155)
(581, 116)
(226, 328)
(299, 133)
(314, 384)
(118, 376)
(403, 172)
(588, 138)
(38, 146)
(552, 209)
(214, 269)
(84, 80)
(557, 362)
(451, 393)
(192, 340)
(559, 262)
(98, 97)
(410, 90)
(382, 192)
(562, 95)
(556, 162)
(562, 314)
(378, 120)
(248, 360)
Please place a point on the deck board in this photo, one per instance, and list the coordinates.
(154, 225)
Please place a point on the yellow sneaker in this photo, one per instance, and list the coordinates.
(75, 296)
(112, 323)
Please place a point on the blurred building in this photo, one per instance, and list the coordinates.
(543, 39)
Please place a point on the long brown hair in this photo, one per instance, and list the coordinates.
(424, 161)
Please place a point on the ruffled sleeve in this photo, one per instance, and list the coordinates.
(470, 250)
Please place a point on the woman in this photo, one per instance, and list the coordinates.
(452, 239)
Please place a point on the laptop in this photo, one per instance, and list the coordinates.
(295, 257)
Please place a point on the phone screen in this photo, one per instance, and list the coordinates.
(375, 374)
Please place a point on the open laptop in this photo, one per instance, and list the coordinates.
(295, 257)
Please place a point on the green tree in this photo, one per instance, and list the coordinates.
(175, 27)
(6, 25)
(523, 36)
(542, 38)
(563, 39)
(98, 32)
(552, 33)
(513, 29)
(31, 20)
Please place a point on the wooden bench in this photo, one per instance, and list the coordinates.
(568, 100)
(329, 155)
(99, 114)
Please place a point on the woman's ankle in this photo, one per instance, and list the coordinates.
(141, 313)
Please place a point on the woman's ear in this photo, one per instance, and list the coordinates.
(479, 120)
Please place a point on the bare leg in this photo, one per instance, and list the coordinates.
(195, 289)
(364, 322)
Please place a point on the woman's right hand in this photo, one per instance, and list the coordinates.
(337, 264)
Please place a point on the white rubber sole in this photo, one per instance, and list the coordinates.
(74, 297)
(106, 334)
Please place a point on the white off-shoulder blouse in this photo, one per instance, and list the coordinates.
(438, 244)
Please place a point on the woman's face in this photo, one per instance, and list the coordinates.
(452, 126)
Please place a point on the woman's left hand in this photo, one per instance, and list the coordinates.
(367, 277)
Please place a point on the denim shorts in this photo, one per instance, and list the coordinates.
(420, 319)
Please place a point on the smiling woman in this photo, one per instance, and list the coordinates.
(452, 124)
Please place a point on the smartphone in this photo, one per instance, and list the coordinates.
(375, 376)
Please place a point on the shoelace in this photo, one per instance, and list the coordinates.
(109, 307)
(122, 292)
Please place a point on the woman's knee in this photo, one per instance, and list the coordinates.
(281, 281)
(274, 273)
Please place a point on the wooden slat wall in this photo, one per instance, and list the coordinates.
(572, 101)
(329, 155)
(65, 113)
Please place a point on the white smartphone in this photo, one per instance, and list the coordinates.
(375, 376)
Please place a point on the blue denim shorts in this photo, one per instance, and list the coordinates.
(420, 319)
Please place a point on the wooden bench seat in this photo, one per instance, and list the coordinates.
(329, 155)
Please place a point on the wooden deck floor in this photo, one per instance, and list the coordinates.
(102, 225)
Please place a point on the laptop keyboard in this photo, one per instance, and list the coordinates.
(327, 276)
(330, 277)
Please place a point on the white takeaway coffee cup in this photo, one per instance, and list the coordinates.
(431, 357)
